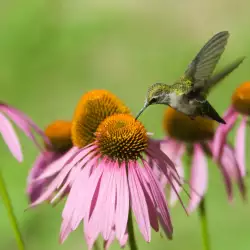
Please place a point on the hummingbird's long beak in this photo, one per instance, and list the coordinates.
(141, 111)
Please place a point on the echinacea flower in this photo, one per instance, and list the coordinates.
(23, 122)
(110, 177)
(59, 135)
(239, 109)
(195, 137)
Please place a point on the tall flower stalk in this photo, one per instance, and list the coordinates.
(12, 218)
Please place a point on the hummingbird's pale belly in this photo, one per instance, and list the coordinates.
(182, 104)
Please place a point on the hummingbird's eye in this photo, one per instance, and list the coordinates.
(153, 100)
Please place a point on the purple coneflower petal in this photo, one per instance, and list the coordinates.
(109, 203)
(24, 123)
(54, 185)
(158, 154)
(58, 164)
(10, 138)
(122, 202)
(178, 188)
(107, 243)
(138, 202)
(227, 169)
(75, 207)
(199, 178)
(160, 201)
(70, 179)
(149, 198)
(232, 171)
(222, 131)
(240, 145)
(93, 221)
(35, 188)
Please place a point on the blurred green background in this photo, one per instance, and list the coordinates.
(51, 52)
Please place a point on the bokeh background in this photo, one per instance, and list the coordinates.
(51, 52)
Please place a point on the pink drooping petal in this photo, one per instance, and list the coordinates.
(222, 131)
(178, 188)
(199, 178)
(160, 201)
(155, 152)
(173, 149)
(67, 184)
(152, 211)
(84, 190)
(109, 203)
(94, 219)
(72, 213)
(82, 156)
(64, 231)
(169, 173)
(25, 124)
(53, 186)
(138, 202)
(81, 197)
(58, 164)
(122, 202)
(108, 242)
(231, 171)
(124, 240)
(35, 188)
(240, 146)
(74, 209)
(10, 138)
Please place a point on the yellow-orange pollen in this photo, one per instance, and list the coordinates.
(121, 137)
(241, 98)
(59, 133)
(91, 110)
(181, 127)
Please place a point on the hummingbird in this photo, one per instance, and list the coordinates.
(189, 93)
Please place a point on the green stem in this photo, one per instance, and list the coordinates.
(204, 225)
(131, 233)
(7, 202)
(96, 246)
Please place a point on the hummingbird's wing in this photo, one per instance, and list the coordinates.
(203, 65)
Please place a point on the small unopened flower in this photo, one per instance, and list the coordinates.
(239, 110)
(59, 135)
(23, 122)
(110, 177)
(195, 137)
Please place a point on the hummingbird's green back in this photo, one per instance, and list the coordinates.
(181, 86)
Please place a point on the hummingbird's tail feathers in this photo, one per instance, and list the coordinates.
(212, 114)
(225, 72)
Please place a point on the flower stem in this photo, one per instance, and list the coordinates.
(131, 233)
(13, 221)
(204, 225)
(96, 246)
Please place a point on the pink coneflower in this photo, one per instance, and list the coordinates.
(240, 108)
(111, 177)
(23, 122)
(59, 135)
(196, 138)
